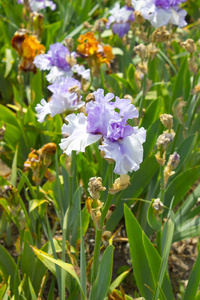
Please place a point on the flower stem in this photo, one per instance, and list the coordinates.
(97, 247)
(162, 194)
(98, 235)
(143, 96)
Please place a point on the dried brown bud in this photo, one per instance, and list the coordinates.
(171, 165)
(120, 184)
(90, 97)
(87, 25)
(167, 120)
(160, 159)
(143, 67)
(75, 89)
(141, 51)
(69, 43)
(158, 206)
(95, 186)
(196, 89)
(152, 50)
(71, 60)
(164, 140)
(49, 149)
(138, 17)
(109, 160)
(142, 34)
(160, 35)
(189, 46)
(179, 110)
(129, 97)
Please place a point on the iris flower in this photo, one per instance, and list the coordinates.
(28, 47)
(161, 12)
(36, 5)
(62, 100)
(120, 19)
(94, 52)
(55, 60)
(106, 120)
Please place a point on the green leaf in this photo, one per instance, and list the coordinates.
(32, 292)
(165, 256)
(185, 149)
(183, 212)
(194, 280)
(145, 259)
(7, 265)
(152, 113)
(118, 281)
(152, 134)
(131, 75)
(50, 263)
(2, 290)
(180, 185)
(181, 86)
(101, 285)
(82, 258)
(35, 203)
(12, 135)
(187, 230)
(139, 180)
(142, 271)
(51, 290)
(7, 116)
(153, 220)
(13, 177)
(9, 62)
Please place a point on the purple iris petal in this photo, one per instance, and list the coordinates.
(120, 19)
(121, 28)
(110, 117)
(57, 56)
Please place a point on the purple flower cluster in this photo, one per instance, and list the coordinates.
(120, 19)
(107, 119)
(161, 12)
(36, 5)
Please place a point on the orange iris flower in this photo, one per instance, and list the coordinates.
(27, 47)
(95, 53)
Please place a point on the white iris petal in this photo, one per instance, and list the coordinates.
(78, 138)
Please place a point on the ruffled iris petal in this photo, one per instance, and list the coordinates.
(127, 153)
(78, 138)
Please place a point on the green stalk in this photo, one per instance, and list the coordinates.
(143, 95)
(162, 193)
(98, 235)
(97, 247)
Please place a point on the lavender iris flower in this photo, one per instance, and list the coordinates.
(107, 119)
(55, 61)
(120, 19)
(36, 5)
(161, 12)
(62, 99)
